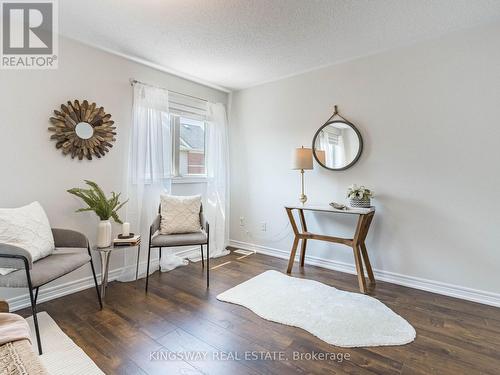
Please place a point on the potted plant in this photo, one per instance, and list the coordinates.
(359, 196)
(105, 209)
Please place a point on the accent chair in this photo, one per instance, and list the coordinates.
(158, 240)
(66, 258)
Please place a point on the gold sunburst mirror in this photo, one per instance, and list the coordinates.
(82, 130)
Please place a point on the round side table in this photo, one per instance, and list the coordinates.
(104, 253)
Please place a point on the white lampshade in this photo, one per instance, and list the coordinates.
(320, 155)
(302, 158)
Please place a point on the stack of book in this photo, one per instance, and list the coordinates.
(132, 241)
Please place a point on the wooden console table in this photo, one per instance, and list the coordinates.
(357, 243)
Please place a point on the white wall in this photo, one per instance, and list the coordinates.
(429, 116)
(30, 166)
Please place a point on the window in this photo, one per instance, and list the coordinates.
(187, 126)
(188, 146)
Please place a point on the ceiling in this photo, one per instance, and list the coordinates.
(240, 43)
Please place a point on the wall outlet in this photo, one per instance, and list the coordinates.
(263, 226)
(242, 221)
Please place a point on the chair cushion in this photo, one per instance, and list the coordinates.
(180, 214)
(167, 240)
(61, 262)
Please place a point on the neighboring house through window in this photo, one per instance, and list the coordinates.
(187, 121)
(189, 146)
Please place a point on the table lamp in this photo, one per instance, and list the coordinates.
(320, 154)
(302, 159)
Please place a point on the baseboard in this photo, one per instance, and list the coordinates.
(484, 297)
(193, 253)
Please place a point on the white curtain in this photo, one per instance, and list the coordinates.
(340, 153)
(148, 170)
(333, 144)
(325, 145)
(217, 206)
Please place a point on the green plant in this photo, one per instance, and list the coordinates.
(359, 192)
(96, 201)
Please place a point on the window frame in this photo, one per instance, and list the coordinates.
(177, 177)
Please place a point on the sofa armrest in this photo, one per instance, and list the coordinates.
(13, 257)
(69, 238)
(155, 226)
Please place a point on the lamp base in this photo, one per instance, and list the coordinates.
(303, 198)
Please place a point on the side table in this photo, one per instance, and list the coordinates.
(104, 253)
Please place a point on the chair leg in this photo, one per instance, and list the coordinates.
(36, 294)
(202, 262)
(208, 256)
(149, 259)
(33, 309)
(147, 268)
(159, 260)
(35, 321)
(95, 279)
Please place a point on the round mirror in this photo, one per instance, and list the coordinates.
(84, 130)
(337, 145)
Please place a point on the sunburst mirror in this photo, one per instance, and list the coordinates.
(82, 130)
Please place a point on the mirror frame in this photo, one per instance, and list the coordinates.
(63, 125)
(356, 158)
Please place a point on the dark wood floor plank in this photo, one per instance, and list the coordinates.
(206, 358)
(154, 325)
(180, 315)
(97, 346)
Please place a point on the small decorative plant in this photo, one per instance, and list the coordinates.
(359, 196)
(94, 197)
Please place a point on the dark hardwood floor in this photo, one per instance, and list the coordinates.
(179, 315)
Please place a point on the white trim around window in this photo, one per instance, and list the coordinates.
(192, 179)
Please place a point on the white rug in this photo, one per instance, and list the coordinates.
(61, 356)
(337, 317)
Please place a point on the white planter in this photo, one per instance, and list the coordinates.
(104, 234)
(360, 203)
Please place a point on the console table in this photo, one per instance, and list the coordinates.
(365, 217)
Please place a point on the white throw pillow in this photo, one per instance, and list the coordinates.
(180, 214)
(26, 227)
